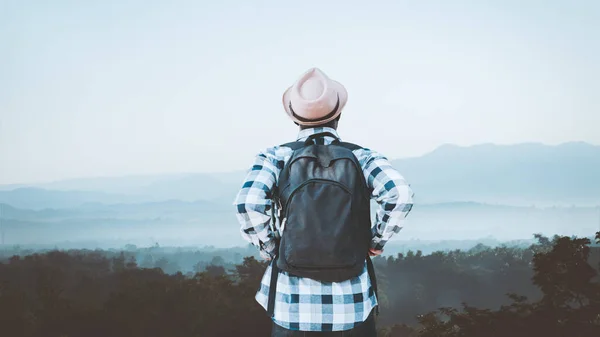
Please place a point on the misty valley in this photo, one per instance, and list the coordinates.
(179, 223)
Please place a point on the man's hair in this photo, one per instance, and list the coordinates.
(330, 124)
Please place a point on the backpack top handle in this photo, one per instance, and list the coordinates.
(310, 138)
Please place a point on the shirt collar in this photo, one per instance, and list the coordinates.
(303, 134)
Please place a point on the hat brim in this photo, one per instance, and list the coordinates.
(337, 87)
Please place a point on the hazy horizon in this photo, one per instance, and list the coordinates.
(244, 168)
(460, 193)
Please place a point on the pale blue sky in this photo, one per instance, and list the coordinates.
(97, 88)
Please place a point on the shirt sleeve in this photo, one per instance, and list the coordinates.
(253, 202)
(393, 195)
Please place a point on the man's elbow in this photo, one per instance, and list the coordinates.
(400, 198)
(405, 199)
(240, 208)
(241, 203)
(405, 193)
(398, 192)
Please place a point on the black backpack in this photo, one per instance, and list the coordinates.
(324, 213)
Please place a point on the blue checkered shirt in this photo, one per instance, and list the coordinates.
(303, 303)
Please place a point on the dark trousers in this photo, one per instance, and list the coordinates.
(366, 329)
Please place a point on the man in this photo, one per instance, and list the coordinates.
(337, 301)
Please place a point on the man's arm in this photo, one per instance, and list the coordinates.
(253, 203)
(393, 195)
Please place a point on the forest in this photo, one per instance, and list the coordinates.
(549, 288)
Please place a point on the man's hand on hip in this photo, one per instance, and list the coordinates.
(375, 252)
(269, 250)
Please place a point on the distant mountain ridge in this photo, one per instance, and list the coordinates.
(520, 174)
(128, 189)
(527, 173)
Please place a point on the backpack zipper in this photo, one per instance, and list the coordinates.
(314, 180)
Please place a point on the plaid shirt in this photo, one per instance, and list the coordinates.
(303, 303)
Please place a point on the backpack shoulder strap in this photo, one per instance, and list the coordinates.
(293, 145)
(272, 288)
(371, 272)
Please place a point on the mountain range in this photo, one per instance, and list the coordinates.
(520, 174)
(502, 191)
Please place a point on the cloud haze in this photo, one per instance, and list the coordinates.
(127, 87)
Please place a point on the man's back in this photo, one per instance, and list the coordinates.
(324, 209)
(309, 298)
(304, 303)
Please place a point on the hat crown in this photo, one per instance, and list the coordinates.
(314, 98)
(311, 89)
